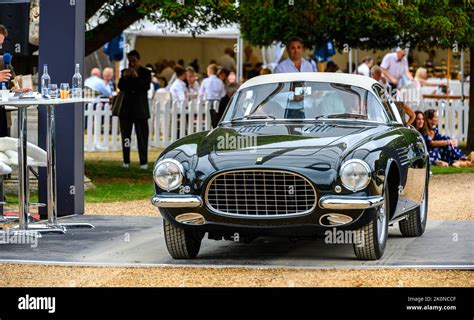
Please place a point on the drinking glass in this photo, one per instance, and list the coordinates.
(64, 91)
(53, 91)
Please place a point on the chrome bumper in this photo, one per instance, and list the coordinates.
(350, 202)
(176, 201)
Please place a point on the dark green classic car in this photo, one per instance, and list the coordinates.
(296, 155)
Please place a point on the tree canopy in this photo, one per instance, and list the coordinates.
(365, 24)
(115, 16)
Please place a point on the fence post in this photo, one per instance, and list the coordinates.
(465, 117)
(116, 144)
(156, 123)
(200, 113)
(89, 114)
(209, 105)
(107, 118)
(166, 122)
(183, 118)
(191, 117)
(174, 120)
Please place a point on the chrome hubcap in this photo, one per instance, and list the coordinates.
(381, 223)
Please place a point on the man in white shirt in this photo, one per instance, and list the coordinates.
(178, 88)
(395, 67)
(364, 67)
(212, 88)
(296, 61)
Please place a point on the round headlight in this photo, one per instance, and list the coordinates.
(355, 174)
(168, 174)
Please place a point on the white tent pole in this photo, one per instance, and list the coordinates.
(350, 60)
(240, 56)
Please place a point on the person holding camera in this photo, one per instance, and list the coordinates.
(135, 83)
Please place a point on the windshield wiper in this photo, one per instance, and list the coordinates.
(347, 115)
(249, 117)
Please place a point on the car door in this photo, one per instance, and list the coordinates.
(417, 174)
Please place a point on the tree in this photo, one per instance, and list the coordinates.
(197, 16)
(365, 24)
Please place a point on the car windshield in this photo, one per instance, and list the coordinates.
(304, 101)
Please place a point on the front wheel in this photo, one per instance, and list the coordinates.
(415, 223)
(181, 244)
(372, 238)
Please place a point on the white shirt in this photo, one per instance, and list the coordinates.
(397, 68)
(212, 88)
(178, 90)
(99, 85)
(193, 90)
(288, 66)
(364, 70)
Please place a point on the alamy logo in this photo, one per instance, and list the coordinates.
(335, 236)
(37, 303)
(228, 142)
(18, 237)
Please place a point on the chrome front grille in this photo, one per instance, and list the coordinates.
(260, 194)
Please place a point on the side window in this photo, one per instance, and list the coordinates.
(375, 112)
(385, 102)
(398, 116)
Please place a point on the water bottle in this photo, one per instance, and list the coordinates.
(4, 92)
(45, 81)
(77, 84)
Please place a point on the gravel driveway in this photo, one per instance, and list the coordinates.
(451, 198)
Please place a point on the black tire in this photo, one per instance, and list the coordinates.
(368, 246)
(415, 223)
(181, 244)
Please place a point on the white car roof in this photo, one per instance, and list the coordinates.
(331, 77)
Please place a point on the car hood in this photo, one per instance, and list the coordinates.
(314, 150)
(276, 144)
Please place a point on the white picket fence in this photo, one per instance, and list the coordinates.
(453, 113)
(170, 120)
(453, 116)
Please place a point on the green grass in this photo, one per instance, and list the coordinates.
(98, 170)
(112, 182)
(115, 183)
(450, 170)
(105, 192)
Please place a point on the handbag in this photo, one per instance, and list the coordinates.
(117, 102)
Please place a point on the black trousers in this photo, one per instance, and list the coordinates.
(142, 131)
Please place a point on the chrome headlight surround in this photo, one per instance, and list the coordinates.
(166, 169)
(355, 174)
